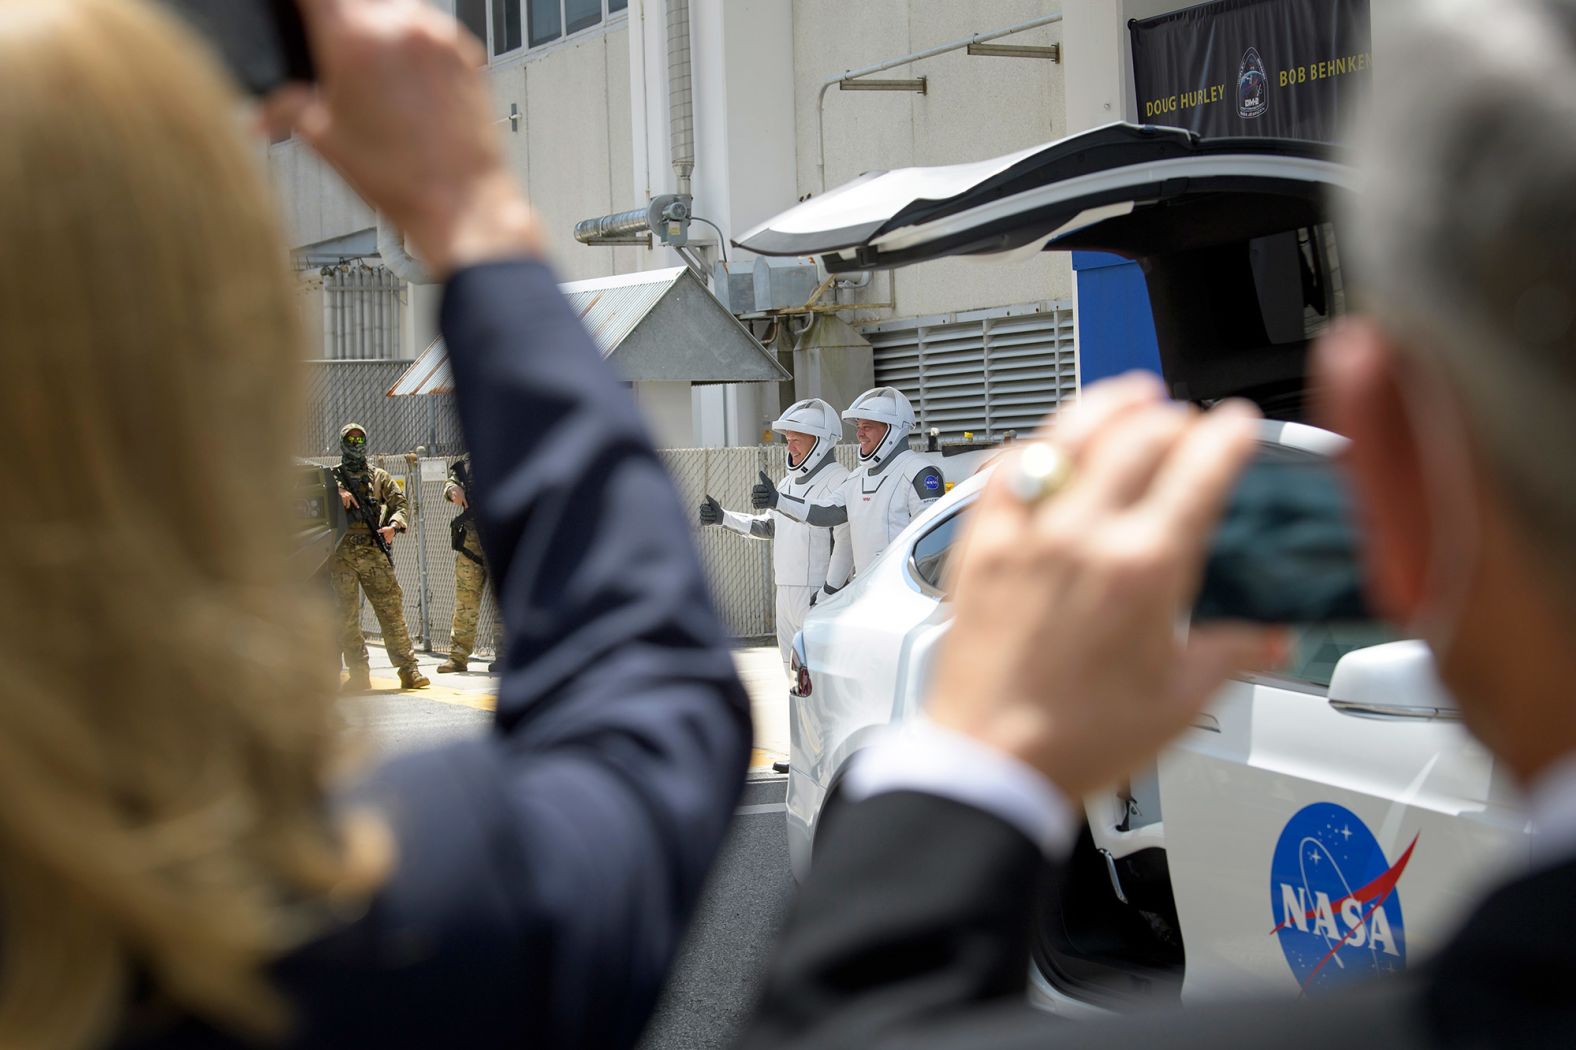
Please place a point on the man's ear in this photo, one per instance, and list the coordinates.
(1359, 376)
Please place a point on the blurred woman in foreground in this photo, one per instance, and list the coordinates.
(179, 860)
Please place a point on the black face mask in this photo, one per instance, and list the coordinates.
(352, 457)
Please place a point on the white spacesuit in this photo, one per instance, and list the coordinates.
(801, 553)
(892, 484)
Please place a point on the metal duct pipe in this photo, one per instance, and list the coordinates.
(330, 317)
(391, 247)
(681, 102)
(632, 223)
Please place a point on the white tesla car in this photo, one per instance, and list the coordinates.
(1320, 824)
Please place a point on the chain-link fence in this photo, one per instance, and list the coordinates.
(340, 392)
(738, 568)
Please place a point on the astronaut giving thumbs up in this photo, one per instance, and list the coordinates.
(892, 485)
(801, 553)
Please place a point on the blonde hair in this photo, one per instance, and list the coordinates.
(167, 732)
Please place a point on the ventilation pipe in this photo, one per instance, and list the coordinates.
(667, 215)
(681, 95)
(391, 248)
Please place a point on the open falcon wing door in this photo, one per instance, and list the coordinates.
(1044, 194)
(1233, 236)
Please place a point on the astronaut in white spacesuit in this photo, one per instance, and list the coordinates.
(802, 555)
(892, 484)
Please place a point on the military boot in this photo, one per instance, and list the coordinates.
(358, 681)
(412, 678)
(453, 663)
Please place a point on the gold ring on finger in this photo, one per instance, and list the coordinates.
(1039, 473)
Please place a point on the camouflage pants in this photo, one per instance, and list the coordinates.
(363, 565)
(469, 580)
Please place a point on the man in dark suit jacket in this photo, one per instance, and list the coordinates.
(1457, 387)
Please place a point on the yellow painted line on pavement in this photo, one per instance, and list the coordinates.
(440, 693)
(760, 758)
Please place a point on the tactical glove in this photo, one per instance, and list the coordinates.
(710, 511)
(764, 495)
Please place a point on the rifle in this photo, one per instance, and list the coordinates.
(463, 518)
(363, 509)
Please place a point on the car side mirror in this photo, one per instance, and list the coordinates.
(1393, 680)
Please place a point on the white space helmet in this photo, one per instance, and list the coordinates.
(887, 405)
(816, 417)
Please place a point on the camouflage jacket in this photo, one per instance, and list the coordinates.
(390, 500)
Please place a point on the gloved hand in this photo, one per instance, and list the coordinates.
(764, 495)
(710, 511)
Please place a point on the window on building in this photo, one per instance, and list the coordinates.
(581, 14)
(508, 25)
(472, 14)
(547, 21)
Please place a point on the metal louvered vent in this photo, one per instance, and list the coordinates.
(361, 313)
(985, 371)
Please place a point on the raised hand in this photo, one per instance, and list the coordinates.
(1065, 651)
(764, 495)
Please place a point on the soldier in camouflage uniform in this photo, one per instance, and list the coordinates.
(470, 570)
(358, 562)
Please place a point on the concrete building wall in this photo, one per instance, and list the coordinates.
(669, 412)
(316, 203)
(572, 150)
(593, 137)
(974, 108)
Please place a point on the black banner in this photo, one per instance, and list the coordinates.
(1287, 68)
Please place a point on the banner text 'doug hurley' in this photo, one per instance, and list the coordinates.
(1284, 68)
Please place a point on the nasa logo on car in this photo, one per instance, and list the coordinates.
(1335, 899)
(1253, 85)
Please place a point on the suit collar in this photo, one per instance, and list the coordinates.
(804, 479)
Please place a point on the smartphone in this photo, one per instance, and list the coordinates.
(262, 42)
(1287, 548)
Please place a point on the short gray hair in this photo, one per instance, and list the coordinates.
(1464, 234)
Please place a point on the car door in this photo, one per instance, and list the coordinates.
(1233, 237)
(1045, 195)
(1315, 839)
(1309, 838)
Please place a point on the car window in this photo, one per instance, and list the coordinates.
(1316, 648)
(1298, 281)
(930, 552)
(1313, 650)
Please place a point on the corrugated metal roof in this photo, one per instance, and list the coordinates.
(428, 374)
(612, 308)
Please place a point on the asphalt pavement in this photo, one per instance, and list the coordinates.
(724, 956)
(722, 959)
